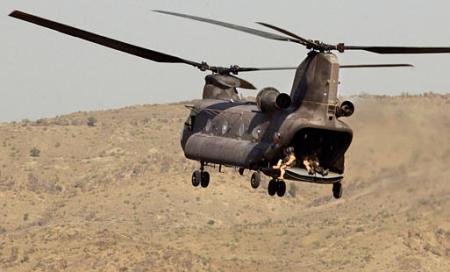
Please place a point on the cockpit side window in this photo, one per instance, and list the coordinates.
(190, 122)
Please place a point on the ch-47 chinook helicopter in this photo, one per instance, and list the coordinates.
(223, 129)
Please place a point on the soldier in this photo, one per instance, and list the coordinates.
(312, 164)
(288, 161)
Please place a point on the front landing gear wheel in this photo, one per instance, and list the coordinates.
(205, 179)
(255, 181)
(337, 190)
(272, 187)
(281, 188)
(196, 178)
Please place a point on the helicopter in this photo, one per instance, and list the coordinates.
(224, 129)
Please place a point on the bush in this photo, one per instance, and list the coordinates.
(91, 121)
(34, 152)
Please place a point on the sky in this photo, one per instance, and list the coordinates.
(45, 73)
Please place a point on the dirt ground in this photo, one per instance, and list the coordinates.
(118, 197)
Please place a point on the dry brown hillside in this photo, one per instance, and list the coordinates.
(118, 197)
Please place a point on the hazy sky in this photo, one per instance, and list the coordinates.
(45, 73)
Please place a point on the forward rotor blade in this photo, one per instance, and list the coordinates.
(101, 40)
(234, 82)
(244, 84)
(376, 65)
(400, 49)
(307, 43)
(257, 32)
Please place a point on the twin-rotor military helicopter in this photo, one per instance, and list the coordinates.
(223, 129)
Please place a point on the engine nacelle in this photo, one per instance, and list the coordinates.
(345, 109)
(270, 99)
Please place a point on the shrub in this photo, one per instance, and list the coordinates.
(91, 121)
(34, 152)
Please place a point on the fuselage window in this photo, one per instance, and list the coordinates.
(224, 128)
(241, 130)
(257, 133)
(190, 122)
(208, 126)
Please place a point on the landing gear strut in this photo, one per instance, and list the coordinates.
(276, 186)
(337, 190)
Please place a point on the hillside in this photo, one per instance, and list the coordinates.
(118, 197)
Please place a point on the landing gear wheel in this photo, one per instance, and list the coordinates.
(337, 190)
(281, 188)
(196, 178)
(272, 187)
(205, 179)
(255, 181)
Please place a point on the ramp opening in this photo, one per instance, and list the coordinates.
(328, 145)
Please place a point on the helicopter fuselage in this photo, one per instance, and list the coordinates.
(238, 133)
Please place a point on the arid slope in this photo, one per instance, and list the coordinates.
(117, 197)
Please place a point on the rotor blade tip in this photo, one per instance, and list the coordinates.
(161, 11)
(12, 14)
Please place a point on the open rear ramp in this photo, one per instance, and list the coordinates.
(301, 174)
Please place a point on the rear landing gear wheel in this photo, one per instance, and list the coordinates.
(272, 187)
(255, 181)
(337, 190)
(205, 179)
(281, 188)
(196, 178)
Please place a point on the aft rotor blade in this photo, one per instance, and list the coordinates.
(253, 31)
(101, 40)
(252, 69)
(376, 65)
(306, 42)
(400, 49)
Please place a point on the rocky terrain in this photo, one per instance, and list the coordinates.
(117, 196)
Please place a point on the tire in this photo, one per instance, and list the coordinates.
(205, 179)
(272, 187)
(255, 181)
(196, 178)
(281, 188)
(337, 190)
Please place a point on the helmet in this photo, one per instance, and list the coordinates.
(289, 150)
